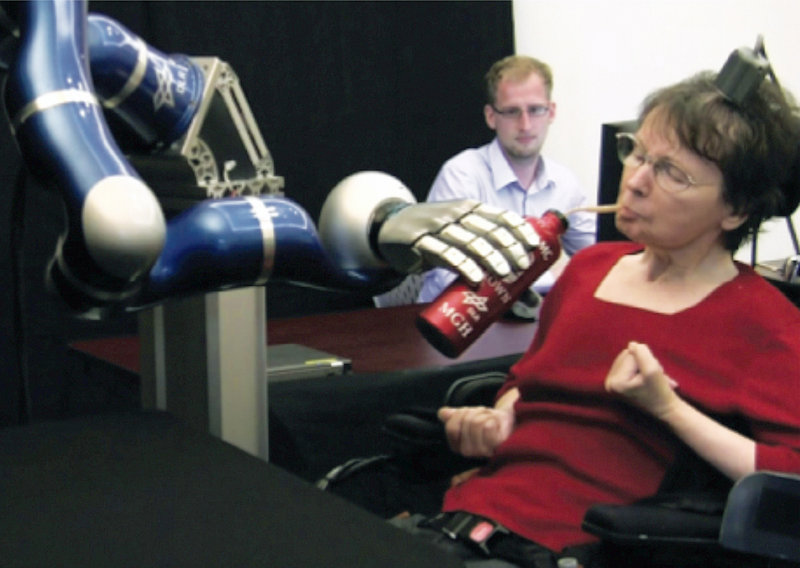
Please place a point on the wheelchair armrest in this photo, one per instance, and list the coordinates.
(762, 516)
(757, 524)
(669, 519)
(415, 430)
(418, 429)
(475, 390)
(416, 434)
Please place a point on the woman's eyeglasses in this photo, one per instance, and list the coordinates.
(667, 175)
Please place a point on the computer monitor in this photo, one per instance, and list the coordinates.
(610, 174)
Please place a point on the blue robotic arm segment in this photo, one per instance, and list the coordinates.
(155, 95)
(190, 112)
(115, 225)
(217, 244)
(245, 241)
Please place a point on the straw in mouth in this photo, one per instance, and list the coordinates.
(611, 208)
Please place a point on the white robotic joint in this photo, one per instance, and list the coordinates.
(353, 212)
(123, 226)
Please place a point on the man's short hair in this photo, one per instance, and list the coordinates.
(517, 68)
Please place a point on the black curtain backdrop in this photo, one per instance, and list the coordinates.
(336, 87)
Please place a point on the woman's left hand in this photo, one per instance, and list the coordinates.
(637, 375)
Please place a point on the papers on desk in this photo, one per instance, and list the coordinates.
(291, 361)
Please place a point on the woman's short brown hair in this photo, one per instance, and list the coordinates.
(756, 145)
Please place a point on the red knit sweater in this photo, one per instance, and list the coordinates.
(737, 352)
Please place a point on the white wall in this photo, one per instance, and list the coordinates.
(607, 55)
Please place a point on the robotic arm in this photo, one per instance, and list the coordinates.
(116, 228)
(120, 250)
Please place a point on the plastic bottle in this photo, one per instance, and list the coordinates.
(461, 313)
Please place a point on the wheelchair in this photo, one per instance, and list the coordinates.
(698, 518)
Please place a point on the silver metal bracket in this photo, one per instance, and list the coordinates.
(222, 154)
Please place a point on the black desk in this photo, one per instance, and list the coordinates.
(142, 490)
(375, 339)
(316, 424)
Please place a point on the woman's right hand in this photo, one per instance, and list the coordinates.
(638, 376)
(475, 431)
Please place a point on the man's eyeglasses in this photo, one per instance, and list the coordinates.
(515, 113)
(667, 175)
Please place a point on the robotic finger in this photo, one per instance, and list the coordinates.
(519, 228)
(450, 247)
(435, 252)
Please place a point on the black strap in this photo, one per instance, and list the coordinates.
(475, 530)
(491, 539)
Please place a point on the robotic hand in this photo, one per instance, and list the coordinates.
(119, 250)
(388, 228)
(440, 232)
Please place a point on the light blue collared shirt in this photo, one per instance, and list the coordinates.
(484, 174)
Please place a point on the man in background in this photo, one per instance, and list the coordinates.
(510, 172)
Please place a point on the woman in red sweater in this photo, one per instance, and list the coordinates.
(641, 345)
